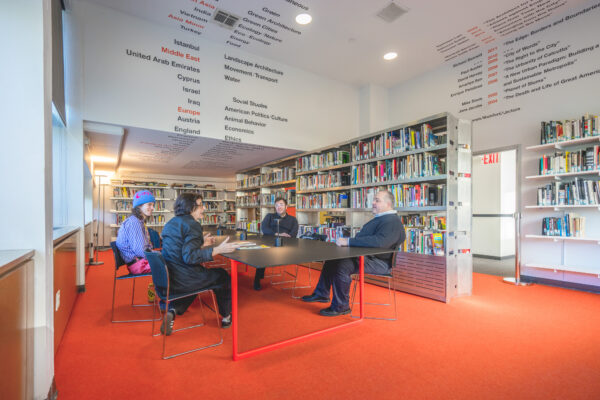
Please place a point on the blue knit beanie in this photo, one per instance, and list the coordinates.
(142, 197)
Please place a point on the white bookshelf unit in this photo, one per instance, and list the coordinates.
(219, 203)
(258, 187)
(568, 189)
(427, 165)
(122, 201)
(219, 200)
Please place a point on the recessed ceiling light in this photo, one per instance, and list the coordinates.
(303, 19)
(390, 56)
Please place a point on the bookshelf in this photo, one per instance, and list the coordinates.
(258, 187)
(122, 201)
(219, 202)
(427, 165)
(565, 229)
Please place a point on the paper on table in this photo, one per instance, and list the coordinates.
(262, 246)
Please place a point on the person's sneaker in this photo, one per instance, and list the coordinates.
(166, 328)
(226, 322)
(151, 293)
(315, 298)
(330, 312)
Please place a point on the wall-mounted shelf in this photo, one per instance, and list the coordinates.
(566, 268)
(563, 207)
(565, 144)
(564, 238)
(565, 175)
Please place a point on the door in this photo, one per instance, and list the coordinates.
(494, 205)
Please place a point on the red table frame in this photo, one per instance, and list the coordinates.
(250, 353)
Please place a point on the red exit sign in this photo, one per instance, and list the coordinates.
(492, 158)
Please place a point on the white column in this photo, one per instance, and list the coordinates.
(72, 40)
(26, 161)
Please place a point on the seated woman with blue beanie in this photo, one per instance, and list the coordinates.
(133, 237)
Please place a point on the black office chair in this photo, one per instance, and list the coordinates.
(119, 262)
(392, 298)
(160, 277)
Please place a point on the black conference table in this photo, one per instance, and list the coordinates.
(293, 251)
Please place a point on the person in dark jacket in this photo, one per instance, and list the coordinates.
(385, 230)
(288, 227)
(185, 248)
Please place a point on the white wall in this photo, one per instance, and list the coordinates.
(518, 119)
(374, 113)
(26, 162)
(130, 91)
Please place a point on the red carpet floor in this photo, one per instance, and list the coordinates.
(503, 342)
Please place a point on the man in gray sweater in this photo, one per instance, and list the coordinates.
(385, 230)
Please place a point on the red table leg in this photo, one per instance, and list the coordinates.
(234, 308)
(361, 276)
(234, 322)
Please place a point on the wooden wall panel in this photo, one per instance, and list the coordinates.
(65, 282)
(15, 330)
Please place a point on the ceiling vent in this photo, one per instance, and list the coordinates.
(225, 19)
(391, 12)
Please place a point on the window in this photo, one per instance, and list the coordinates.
(59, 170)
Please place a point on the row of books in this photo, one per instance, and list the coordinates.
(129, 192)
(412, 166)
(218, 206)
(126, 205)
(323, 160)
(331, 232)
(323, 200)
(568, 226)
(559, 131)
(420, 195)
(330, 179)
(206, 194)
(157, 219)
(205, 187)
(424, 222)
(423, 242)
(212, 219)
(248, 182)
(394, 142)
(269, 198)
(129, 182)
(578, 192)
(570, 161)
(252, 226)
(247, 200)
(276, 176)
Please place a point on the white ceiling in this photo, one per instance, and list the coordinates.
(150, 151)
(346, 40)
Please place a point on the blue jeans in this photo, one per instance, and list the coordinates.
(336, 275)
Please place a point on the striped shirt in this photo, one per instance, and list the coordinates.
(133, 239)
